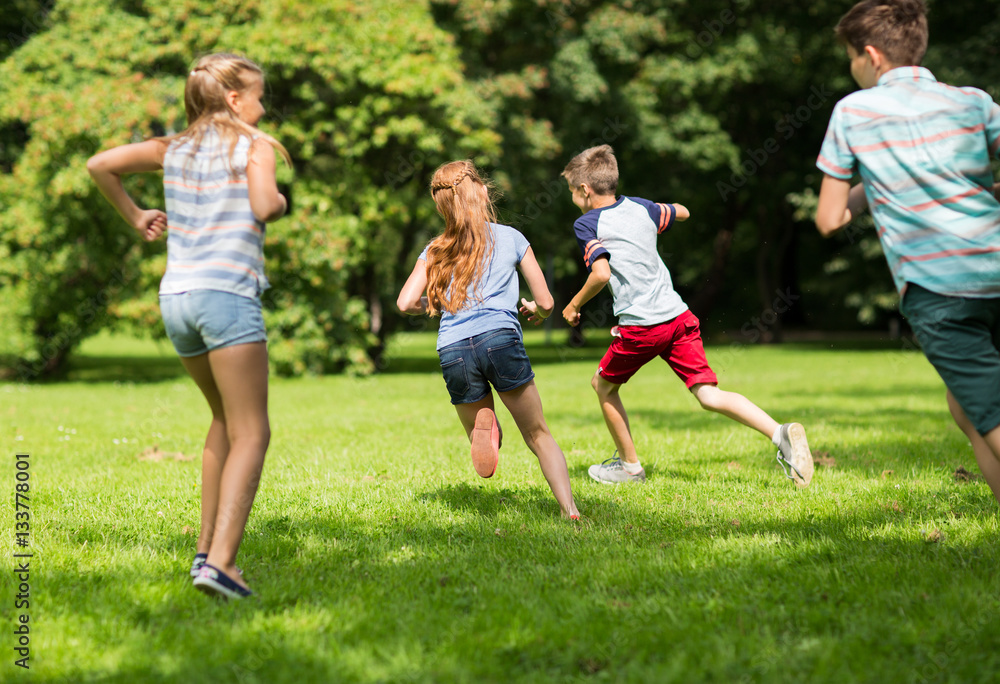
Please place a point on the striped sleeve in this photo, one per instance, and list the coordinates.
(835, 156)
(992, 125)
(661, 214)
(586, 236)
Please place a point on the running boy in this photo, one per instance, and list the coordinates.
(923, 151)
(618, 239)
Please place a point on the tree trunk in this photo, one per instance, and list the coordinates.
(715, 281)
(766, 283)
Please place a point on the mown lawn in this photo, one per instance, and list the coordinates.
(378, 555)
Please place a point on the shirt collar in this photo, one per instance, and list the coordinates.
(906, 73)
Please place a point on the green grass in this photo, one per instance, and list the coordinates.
(379, 556)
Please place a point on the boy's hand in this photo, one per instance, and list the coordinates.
(530, 309)
(151, 223)
(571, 314)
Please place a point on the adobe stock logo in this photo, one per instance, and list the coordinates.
(788, 124)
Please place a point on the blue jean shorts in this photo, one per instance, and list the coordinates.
(493, 358)
(200, 321)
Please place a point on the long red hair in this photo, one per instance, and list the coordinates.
(456, 258)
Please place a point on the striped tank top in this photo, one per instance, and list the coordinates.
(213, 240)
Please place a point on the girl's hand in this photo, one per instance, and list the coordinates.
(150, 223)
(530, 309)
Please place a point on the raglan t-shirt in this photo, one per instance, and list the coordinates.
(494, 305)
(923, 150)
(214, 242)
(625, 234)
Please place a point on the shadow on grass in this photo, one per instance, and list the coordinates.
(880, 445)
(490, 502)
(134, 369)
(415, 600)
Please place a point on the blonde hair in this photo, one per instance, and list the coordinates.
(456, 258)
(212, 77)
(595, 166)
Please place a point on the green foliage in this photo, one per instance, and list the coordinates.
(20, 20)
(368, 98)
(686, 93)
(720, 105)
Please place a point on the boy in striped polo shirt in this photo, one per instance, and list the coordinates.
(923, 151)
(618, 239)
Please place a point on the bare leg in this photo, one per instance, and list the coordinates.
(735, 406)
(240, 374)
(525, 407)
(615, 417)
(213, 456)
(985, 447)
(467, 413)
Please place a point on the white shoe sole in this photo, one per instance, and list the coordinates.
(801, 456)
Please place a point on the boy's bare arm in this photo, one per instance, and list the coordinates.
(600, 274)
(681, 212)
(839, 203)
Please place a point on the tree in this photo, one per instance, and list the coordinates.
(368, 97)
(719, 104)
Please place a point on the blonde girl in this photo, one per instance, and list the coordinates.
(469, 275)
(220, 189)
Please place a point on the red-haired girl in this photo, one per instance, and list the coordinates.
(469, 274)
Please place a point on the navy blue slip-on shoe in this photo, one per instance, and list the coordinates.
(199, 560)
(214, 582)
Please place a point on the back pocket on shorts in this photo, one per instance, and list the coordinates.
(509, 361)
(456, 378)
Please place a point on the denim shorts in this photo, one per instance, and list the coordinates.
(493, 358)
(202, 320)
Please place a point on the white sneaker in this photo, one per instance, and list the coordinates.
(612, 471)
(794, 455)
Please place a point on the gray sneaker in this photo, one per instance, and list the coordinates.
(612, 471)
(794, 455)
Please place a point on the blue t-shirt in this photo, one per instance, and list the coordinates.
(923, 150)
(498, 293)
(625, 232)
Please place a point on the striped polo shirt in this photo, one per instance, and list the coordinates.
(625, 233)
(213, 241)
(923, 150)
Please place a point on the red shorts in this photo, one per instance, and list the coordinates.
(678, 342)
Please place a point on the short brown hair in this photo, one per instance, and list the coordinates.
(897, 28)
(595, 166)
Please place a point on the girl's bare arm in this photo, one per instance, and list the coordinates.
(411, 298)
(266, 202)
(107, 168)
(542, 302)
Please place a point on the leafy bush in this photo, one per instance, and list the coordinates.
(368, 98)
